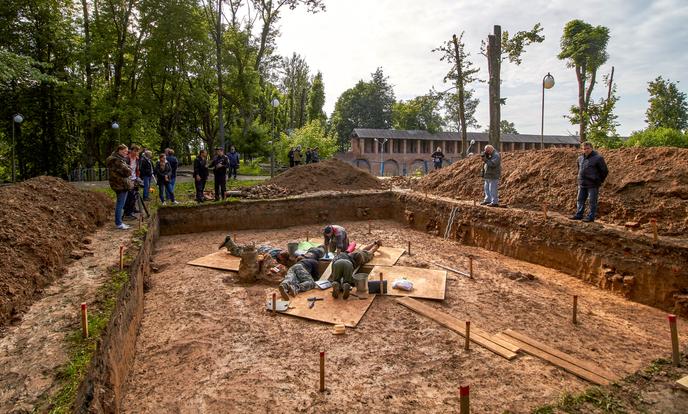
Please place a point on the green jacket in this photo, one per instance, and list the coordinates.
(120, 172)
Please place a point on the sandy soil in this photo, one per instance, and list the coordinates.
(33, 350)
(207, 345)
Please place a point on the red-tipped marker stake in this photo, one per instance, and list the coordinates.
(322, 371)
(676, 356)
(409, 248)
(468, 335)
(575, 309)
(121, 257)
(84, 321)
(464, 403)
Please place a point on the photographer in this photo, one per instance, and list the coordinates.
(492, 169)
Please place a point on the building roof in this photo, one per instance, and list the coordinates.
(455, 136)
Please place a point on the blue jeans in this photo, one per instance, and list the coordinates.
(491, 187)
(119, 206)
(591, 194)
(165, 187)
(146, 187)
(173, 181)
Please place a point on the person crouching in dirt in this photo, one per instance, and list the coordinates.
(120, 181)
(343, 266)
(300, 278)
(336, 239)
(492, 169)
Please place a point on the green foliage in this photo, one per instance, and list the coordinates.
(316, 99)
(296, 87)
(658, 137)
(507, 127)
(600, 120)
(668, 106)
(514, 47)
(420, 113)
(583, 45)
(310, 136)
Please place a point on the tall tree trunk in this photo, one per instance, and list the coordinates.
(609, 86)
(302, 110)
(494, 56)
(582, 109)
(218, 50)
(92, 147)
(460, 88)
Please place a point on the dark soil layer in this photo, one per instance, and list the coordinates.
(41, 220)
(643, 183)
(329, 175)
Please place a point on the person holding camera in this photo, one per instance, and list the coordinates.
(163, 174)
(219, 164)
(592, 171)
(437, 158)
(492, 170)
(200, 174)
(130, 205)
(120, 181)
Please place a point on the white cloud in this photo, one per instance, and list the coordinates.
(353, 37)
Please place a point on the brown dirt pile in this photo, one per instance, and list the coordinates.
(643, 183)
(41, 220)
(329, 175)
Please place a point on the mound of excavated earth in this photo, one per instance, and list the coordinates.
(643, 183)
(41, 219)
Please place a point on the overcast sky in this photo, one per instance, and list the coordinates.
(353, 37)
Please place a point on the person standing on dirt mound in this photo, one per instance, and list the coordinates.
(219, 164)
(437, 158)
(120, 181)
(492, 170)
(592, 171)
(297, 155)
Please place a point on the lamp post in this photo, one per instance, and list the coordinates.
(547, 83)
(115, 126)
(382, 147)
(275, 103)
(16, 119)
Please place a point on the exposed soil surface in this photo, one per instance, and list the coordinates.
(643, 183)
(41, 220)
(330, 175)
(33, 351)
(206, 343)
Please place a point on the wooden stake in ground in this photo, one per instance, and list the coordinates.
(655, 236)
(274, 304)
(464, 403)
(306, 236)
(382, 285)
(473, 203)
(140, 221)
(544, 209)
(409, 248)
(121, 257)
(322, 371)
(575, 309)
(466, 346)
(675, 355)
(84, 321)
(369, 230)
(470, 266)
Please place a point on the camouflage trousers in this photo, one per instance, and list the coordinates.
(299, 278)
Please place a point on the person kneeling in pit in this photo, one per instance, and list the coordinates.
(343, 266)
(336, 239)
(300, 278)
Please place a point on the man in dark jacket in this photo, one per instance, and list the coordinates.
(291, 157)
(200, 174)
(174, 163)
(120, 181)
(233, 157)
(492, 170)
(146, 173)
(592, 171)
(437, 158)
(163, 173)
(219, 165)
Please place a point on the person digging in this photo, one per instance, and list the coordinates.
(259, 257)
(343, 266)
(300, 278)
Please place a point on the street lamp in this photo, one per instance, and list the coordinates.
(275, 103)
(382, 147)
(115, 126)
(547, 83)
(16, 119)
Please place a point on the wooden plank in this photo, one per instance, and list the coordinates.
(427, 283)
(452, 270)
(386, 256)
(329, 310)
(565, 365)
(499, 340)
(219, 260)
(594, 368)
(454, 324)
(683, 383)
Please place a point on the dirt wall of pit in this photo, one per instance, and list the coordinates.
(102, 389)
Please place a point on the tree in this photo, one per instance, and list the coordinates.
(601, 121)
(310, 136)
(584, 47)
(295, 87)
(462, 73)
(668, 106)
(507, 127)
(419, 113)
(498, 48)
(316, 99)
(658, 137)
(366, 105)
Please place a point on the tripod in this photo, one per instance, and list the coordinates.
(138, 201)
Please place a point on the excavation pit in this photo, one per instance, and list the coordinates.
(207, 344)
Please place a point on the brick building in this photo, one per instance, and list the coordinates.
(409, 151)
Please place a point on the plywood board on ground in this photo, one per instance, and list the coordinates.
(683, 383)
(454, 324)
(427, 283)
(386, 256)
(329, 310)
(219, 260)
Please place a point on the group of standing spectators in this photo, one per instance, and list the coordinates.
(223, 166)
(296, 156)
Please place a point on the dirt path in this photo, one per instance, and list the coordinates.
(207, 345)
(32, 351)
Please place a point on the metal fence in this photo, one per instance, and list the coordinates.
(89, 174)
